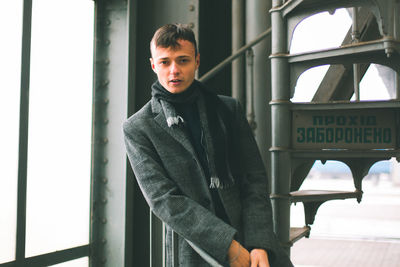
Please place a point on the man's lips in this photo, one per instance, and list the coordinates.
(175, 81)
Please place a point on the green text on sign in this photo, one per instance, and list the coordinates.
(344, 129)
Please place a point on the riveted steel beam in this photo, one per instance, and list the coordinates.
(110, 100)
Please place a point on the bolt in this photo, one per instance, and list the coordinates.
(104, 201)
(105, 160)
(192, 8)
(105, 82)
(106, 101)
(104, 220)
(105, 180)
(105, 121)
(105, 140)
(108, 22)
(107, 42)
(191, 25)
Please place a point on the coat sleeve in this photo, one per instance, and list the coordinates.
(256, 205)
(185, 216)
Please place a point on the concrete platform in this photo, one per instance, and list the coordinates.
(316, 252)
(348, 234)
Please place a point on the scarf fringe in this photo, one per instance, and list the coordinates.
(174, 120)
(215, 182)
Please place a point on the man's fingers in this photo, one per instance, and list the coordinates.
(259, 258)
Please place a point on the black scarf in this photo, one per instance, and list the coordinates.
(188, 96)
(215, 123)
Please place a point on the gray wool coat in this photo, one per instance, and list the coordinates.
(174, 185)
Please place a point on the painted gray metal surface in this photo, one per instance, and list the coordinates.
(257, 22)
(110, 100)
(337, 83)
(286, 69)
(345, 129)
(238, 40)
(280, 121)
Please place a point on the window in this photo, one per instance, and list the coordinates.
(58, 158)
(10, 69)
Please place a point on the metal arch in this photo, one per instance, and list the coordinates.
(298, 10)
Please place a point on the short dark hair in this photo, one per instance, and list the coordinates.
(169, 35)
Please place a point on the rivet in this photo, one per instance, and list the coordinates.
(104, 220)
(107, 42)
(106, 121)
(191, 25)
(105, 140)
(105, 160)
(191, 8)
(108, 22)
(105, 180)
(103, 241)
(106, 101)
(104, 201)
(105, 82)
(106, 61)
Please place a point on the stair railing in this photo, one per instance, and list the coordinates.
(211, 73)
(248, 49)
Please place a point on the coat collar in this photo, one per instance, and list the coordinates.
(176, 131)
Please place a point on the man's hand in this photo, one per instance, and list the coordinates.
(259, 258)
(238, 256)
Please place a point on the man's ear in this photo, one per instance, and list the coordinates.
(197, 61)
(153, 67)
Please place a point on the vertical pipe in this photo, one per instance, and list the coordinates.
(397, 85)
(164, 245)
(152, 252)
(257, 22)
(238, 22)
(23, 130)
(250, 89)
(156, 241)
(356, 73)
(396, 21)
(281, 127)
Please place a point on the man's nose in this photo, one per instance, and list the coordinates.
(174, 68)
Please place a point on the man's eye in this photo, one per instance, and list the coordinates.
(163, 62)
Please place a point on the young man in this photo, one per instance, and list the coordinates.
(198, 165)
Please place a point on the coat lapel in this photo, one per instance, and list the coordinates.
(176, 131)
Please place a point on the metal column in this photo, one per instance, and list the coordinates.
(257, 22)
(238, 32)
(280, 116)
(110, 101)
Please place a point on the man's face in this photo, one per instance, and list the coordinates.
(175, 68)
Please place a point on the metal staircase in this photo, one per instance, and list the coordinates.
(331, 127)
